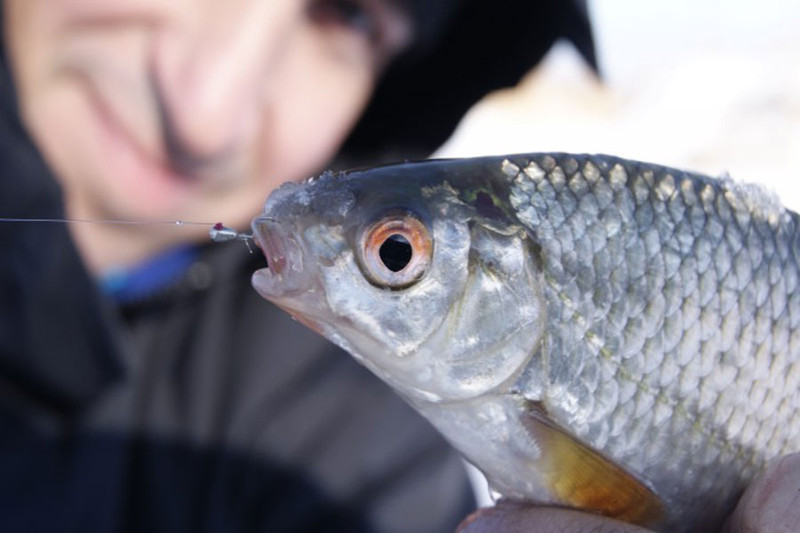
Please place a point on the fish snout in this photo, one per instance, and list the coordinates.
(286, 272)
(271, 238)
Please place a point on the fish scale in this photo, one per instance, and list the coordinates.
(589, 331)
(684, 229)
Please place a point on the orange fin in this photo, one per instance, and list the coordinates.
(582, 477)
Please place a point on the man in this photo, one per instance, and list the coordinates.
(143, 383)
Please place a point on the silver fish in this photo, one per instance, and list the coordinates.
(588, 331)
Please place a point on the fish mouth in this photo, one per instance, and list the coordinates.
(272, 241)
(287, 274)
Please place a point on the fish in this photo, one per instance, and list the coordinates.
(590, 332)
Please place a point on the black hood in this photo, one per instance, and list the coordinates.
(467, 49)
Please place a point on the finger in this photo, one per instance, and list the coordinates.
(509, 517)
(772, 501)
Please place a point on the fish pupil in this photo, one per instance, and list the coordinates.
(395, 252)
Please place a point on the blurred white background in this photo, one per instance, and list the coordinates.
(711, 86)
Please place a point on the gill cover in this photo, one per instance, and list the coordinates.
(454, 298)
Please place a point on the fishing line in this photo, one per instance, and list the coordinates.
(217, 231)
(109, 221)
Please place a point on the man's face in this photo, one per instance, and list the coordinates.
(193, 109)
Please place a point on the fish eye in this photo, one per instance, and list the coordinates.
(395, 250)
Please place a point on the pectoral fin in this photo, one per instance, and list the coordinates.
(581, 477)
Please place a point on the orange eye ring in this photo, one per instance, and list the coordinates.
(396, 250)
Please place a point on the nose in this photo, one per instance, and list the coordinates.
(210, 73)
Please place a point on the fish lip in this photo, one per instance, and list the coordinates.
(272, 241)
(289, 274)
(296, 295)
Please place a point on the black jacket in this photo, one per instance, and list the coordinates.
(201, 408)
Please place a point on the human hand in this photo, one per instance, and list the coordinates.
(770, 504)
(513, 517)
(772, 501)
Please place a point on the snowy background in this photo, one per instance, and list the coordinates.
(711, 86)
